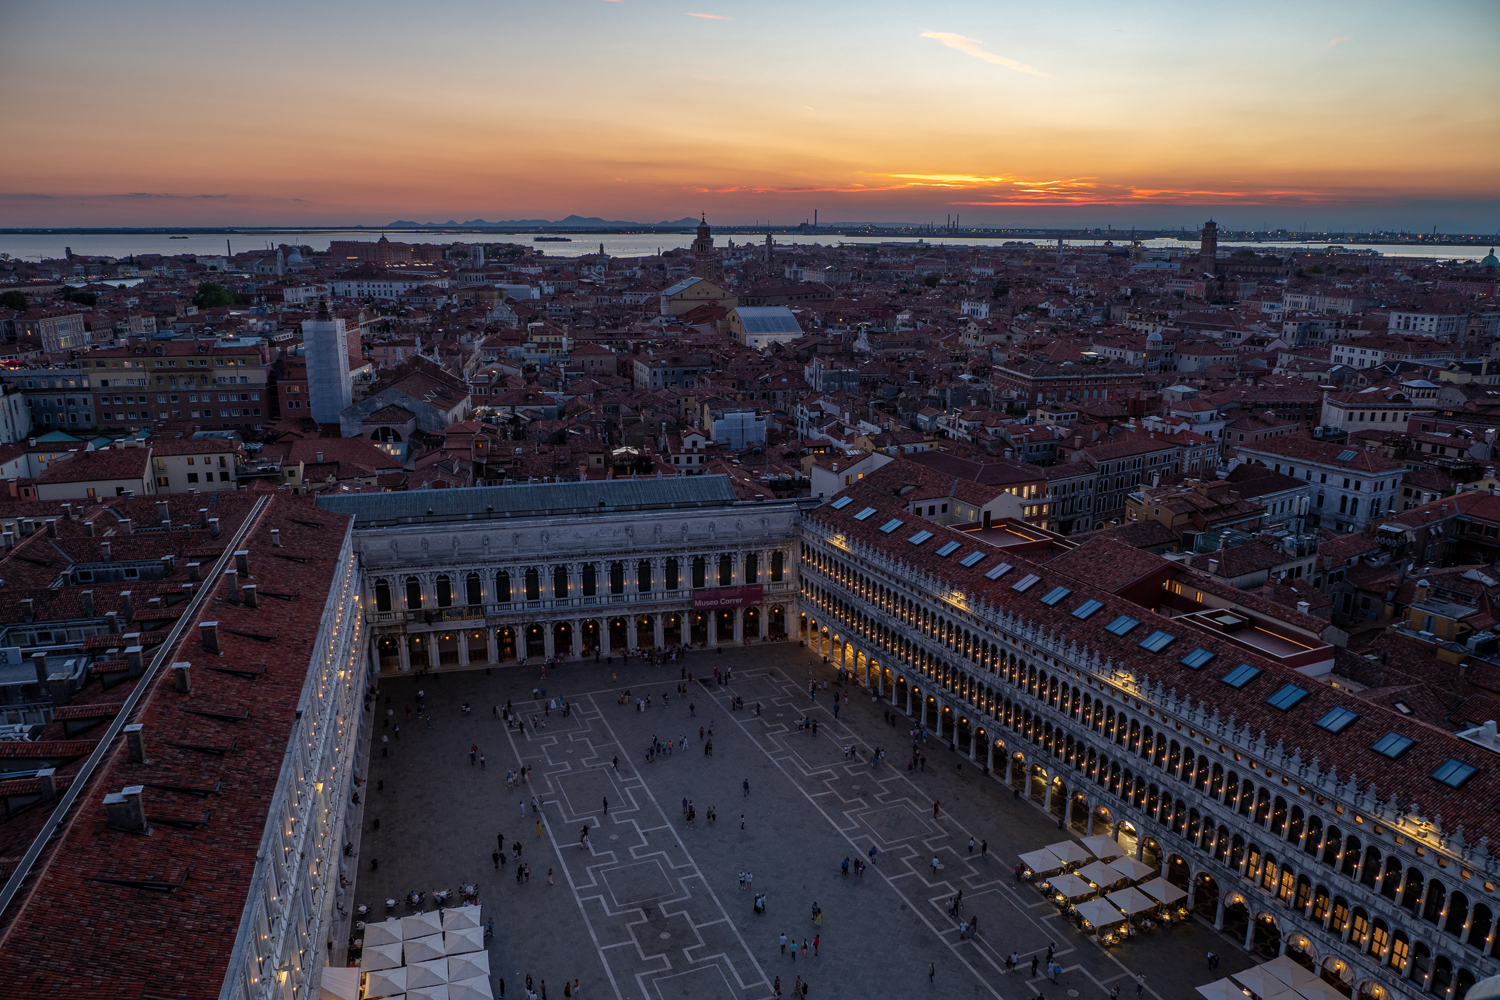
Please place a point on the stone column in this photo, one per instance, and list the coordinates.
(1249, 929)
(765, 621)
(739, 625)
(463, 648)
(604, 649)
(577, 629)
(549, 647)
(432, 650)
(908, 698)
(1219, 913)
(713, 628)
(1047, 799)
(405, 647)
(492, 645)
(660, 631)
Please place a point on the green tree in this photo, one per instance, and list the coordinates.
(931, 281)
(79, 296)
(13, 300)
(212, 295)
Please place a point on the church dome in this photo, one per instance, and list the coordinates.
(1491, 261)
(1153, 338)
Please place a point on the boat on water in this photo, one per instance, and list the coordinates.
(552, 239)
(176, 237)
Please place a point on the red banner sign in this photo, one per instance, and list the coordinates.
(727, 597)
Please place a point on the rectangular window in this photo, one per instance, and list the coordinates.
(1121, 625)
(1336, 720)
(1196, 659)
(841, 503)
(1241, 675)
(1392, 745)
(996, 572)
(1288, 696)
(948, 548)
(1026, 583)
(862, 515)
(920, 537)
(1087, 608)
(1054, 595)
(1157, 641)
(891, 525)
(972, 559)
(1454, 773)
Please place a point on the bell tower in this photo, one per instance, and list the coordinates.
(1208, 248)
(703, 250)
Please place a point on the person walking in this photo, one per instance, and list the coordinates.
(746, 786)
(1035, 961)
(606, 804)
(816, 937)
(1140, 984)
(495, 856)
(473, 753)
(984, 848)
(931, 970)
(549, 876)
(481, 762)
(783, 942)
(971, 845)
(935, 809)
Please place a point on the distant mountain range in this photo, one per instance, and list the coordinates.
(571, 222)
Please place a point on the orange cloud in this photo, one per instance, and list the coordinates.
(1341, 38)
(970, 47)
(711, 17)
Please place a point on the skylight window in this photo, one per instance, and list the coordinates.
(864, 513)
(1347, 455)
(1121, 625)
(1197, 658)
(841, 503)
(1241, 675)
(1054, 595)
(1392, 745)
(972, 559)
(1026, 582)
(1157, 641)
(1454, 773)
(948, 548)
(1287, 697)
(892, 525)
(920, 537)
(1337, 720)
(1087, 608)
(997, 572)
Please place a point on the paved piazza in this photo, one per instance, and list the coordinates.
(653, 909)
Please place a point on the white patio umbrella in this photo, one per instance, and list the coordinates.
(428, 993)
(422, 924)
(1317, 991)
(1264, 985)
(1042, 862)
(1072, 887)
(1289, 972)
(338, 983)
(429, 973)
(424, 949)
(1099, 913)
(384, 932)
(1070, 853)
(459, 941)
(462, 967)
(1132, 869)
(1162, 891)
(1131, 901)
(1104, 847)
(1221, 989)
(380, 956)
(458, 917)
(1101, 874)
(386, 982)
(477, 988)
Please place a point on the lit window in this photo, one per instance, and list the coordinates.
(1241, 675)
(1337, 720)
(1392, 745)
(1054, 595)
(1121, 625)
(1157, 641)
(1087, 608)
(1454, 773)
(862, 515)
(1287, 697)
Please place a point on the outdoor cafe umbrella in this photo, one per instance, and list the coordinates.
(1162, 890)
(338, 983)
(1132, 869)
(430, 973)
(1099, 913)
(1131, 901)
(477, 988)
(428, 993)
(1042, 861)
(1289, 972)
(380, 956)
(421, 925)
(1071, 886)
(1221, 989)
(1105, 847)
(459, 941)
(1264, 985)
(1101, 874)
(458, 917)
(424, 949)
(1070, 853)
(384, 983)
(384, 932)
(461, 967)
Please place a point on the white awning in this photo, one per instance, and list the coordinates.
(462, 967)
(1132, 869)
(428, 993)
(424, 949)
(1099, 913)
(338, 983)
(1264, 985)
(430, 973)
(421, 925)
(1221, 989)
(459, 941)
(1071, 886)
(1100, 874)
(477, 988)
(1289, 972)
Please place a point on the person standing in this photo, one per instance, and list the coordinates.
(971, 845)
(746, 786)
(495, 856)
(1140, 984)
(783, 942)
(931, 970)
(1035, 961)
(816, 937)
(984, 848)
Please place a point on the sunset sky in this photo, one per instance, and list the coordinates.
(1334, 115)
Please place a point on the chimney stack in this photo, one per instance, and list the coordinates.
(27, 527)
(39, 662)
(1304, 607)
(202, 517)
(126, 811)
(46, 785)
(135, 741)
(193, 571)
(213, 527)
(105, 549)
(162, 515)
(88, 604)
(67, 510)
(51, 527)
(182, 681)
(232, 582)
(127, 526)
(135, 657)
(247, 594)
(275, 538)
(88, 529)
(126, 608)
(242, 561)
(210, 637)
(28, 609)
(113, 618)
(10, 538)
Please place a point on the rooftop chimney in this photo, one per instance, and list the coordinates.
(242, 561)
(202, 517)
(88, 528)
(51, 527)
(213, 527)
(125, 607)
(127, 526)
(113, 618)
(135, 742)
(125, 810)
(1304, 607)
(135, 657)
(105, 550)
(182, 681)
(67, 510)
(1213, 566)
(162, 514)
(88, 604)
(28, 609)
(210, 636)
(10, 538)
(46, 785)
(275, 538)
(39, 662)
(248, 595)
(193, 570)
(232, 582)
(28, 526)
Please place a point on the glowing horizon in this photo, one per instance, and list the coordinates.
(169, 113)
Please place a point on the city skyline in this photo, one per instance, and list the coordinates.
(1001, 115)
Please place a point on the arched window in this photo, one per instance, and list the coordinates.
(617, 578)
(590, 580)
(502, 587)
(533, 585)
(643, 577)
(560, 583)
(700, 573)
(473, 590)
(752, 568)
(671, 574)
(413, 593)
(382, 595)
(444, 591)
(726, 570)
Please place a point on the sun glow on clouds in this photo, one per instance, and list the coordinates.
(970, 47)
(712, 17)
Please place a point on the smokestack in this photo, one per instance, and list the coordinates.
(125, 810)
(88, 528)
(242, 561)
(46, 785)
(10, 538)
(193, 571)
(248, 595)
(182, 681)
(135, 741)
(213, 527)
(51, 527)
(232, 582)
(39, 662)
(113, 619)
(202, 517)
(210, 632)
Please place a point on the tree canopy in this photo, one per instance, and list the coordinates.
(212, 295)
(13, 300)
